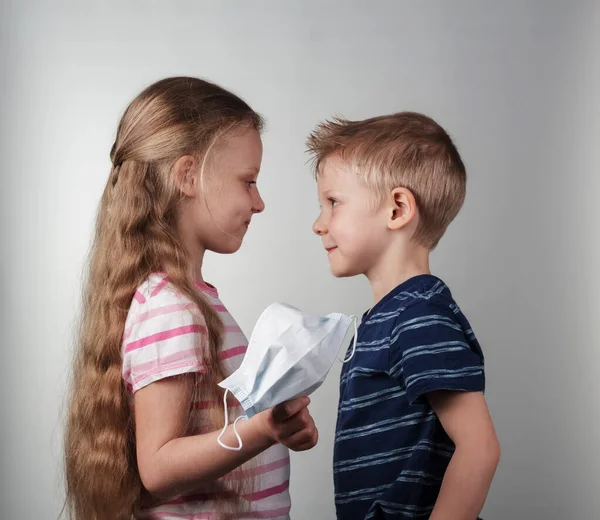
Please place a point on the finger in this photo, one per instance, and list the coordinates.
(304, 440)
(311, 442)
(304, 447)
(284, 411)
(298, 422)
(305, 435)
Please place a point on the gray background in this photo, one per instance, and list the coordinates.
(517, 85)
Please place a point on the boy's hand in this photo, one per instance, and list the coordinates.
(291, 424)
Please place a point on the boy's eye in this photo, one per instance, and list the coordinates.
(334, 203)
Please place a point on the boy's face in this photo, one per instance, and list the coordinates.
(352, 226)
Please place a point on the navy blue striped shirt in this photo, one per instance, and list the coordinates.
(391, 451)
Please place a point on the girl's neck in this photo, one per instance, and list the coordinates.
(196, 255)
(192, 245)
(197, 273)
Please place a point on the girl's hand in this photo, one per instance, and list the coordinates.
(290, 424)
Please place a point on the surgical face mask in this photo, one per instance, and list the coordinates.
(289, 355)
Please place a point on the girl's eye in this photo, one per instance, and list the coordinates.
(250, 183)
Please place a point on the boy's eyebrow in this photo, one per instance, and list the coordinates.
(322, 194)
(326, 194)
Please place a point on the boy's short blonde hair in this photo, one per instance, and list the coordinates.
(407, 150)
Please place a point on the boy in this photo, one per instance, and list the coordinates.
(414, 438)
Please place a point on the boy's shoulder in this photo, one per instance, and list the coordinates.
(425, 302)
(421, 309)
(423, 289)
(417, 296)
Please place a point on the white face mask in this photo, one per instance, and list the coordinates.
(289, 355)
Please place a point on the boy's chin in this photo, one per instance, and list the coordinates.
(343, 271)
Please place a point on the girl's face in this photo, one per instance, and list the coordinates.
(227, 197)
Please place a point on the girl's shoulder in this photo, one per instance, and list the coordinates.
(165, 334)
(158, 294)
(157, 288)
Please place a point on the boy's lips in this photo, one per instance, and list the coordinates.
(330, 249)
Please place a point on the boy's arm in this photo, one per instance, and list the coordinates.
(435, 356)
(466, 420)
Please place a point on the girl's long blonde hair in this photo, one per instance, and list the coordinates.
(135, 236)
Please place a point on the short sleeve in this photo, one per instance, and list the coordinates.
(165, 336)
(432, 348)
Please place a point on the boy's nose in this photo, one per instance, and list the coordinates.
(319, 227)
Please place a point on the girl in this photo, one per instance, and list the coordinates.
(145, 410)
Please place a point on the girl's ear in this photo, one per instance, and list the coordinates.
(185, 175)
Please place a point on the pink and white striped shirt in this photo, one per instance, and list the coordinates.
(165, 336)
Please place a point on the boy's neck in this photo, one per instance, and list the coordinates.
(396, 269)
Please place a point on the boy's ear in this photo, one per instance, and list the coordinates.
(185, 175)
(403, 208)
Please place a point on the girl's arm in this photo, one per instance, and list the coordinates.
(171, 464)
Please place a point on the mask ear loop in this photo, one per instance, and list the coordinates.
(355, 340)
(237, 435)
